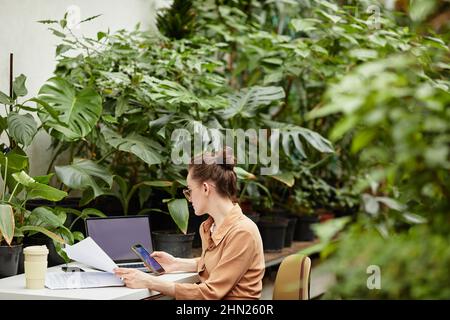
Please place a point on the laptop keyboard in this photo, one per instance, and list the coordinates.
(134, 265)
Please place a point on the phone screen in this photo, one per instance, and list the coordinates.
(149, 259)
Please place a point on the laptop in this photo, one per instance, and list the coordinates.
(116, 235)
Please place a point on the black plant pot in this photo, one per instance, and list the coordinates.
(178, 245)
(273, 233)
(164, 222)
(303, 231)
(292, 221)
(9, 260)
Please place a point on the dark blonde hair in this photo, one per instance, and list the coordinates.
(219, 168)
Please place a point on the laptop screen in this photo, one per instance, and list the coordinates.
(116, 235)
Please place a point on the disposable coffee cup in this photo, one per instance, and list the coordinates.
(35, 263)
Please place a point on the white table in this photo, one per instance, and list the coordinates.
(13, 288)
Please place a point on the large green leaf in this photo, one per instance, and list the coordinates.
(17, 161)
(81, 174)
(286, 177)
(288, 132)
(247, 101)
(305, 25)
(66, 234)
(419, 10)
(4, 98)
(156, 183)
(6, 223)
(36, 190)
(178, 209)
(142, 147)
(242, 174)
(77, 111)
(43, 230)
(22, 127)
(173, 93)
(45, 217)
(19, 88)
(44, 179)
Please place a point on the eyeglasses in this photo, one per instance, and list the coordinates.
(188, 192)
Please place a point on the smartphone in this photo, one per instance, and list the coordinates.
(72, 269)
(148, 260)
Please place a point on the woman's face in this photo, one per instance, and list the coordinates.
(198, 195)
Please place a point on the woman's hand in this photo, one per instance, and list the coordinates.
(166, 260)
(133, 278)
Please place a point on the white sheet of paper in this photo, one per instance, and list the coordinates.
(78, 280)
(89, 253)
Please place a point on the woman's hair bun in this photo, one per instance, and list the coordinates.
(217, 167)
(225, 158)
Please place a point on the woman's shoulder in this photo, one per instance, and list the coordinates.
(246, 226)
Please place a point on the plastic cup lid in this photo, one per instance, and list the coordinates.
(35, 250)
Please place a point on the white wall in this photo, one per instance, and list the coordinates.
(33, 45)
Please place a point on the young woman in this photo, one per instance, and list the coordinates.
(232, 262)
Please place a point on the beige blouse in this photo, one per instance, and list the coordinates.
(232, 262)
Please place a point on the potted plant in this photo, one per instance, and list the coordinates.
(273, 232)
(312, 196)
(177, 242)
(277, 226)
(307, 216)
(272, 226)
(16, 221)
(23, 224)
(20, 227)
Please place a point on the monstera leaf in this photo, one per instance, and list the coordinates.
(77, 111)
(246, 102)
(142, 147)
(83, 174)
(287, 178)
(19, 88)
(289, 132)
(22, 127)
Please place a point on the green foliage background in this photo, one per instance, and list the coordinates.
(376, 85)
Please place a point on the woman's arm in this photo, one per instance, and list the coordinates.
(165, 287)
(186, 265)
(171, 264)
(137, 279)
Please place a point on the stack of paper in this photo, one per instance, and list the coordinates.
(89, 253)
(79, 280)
